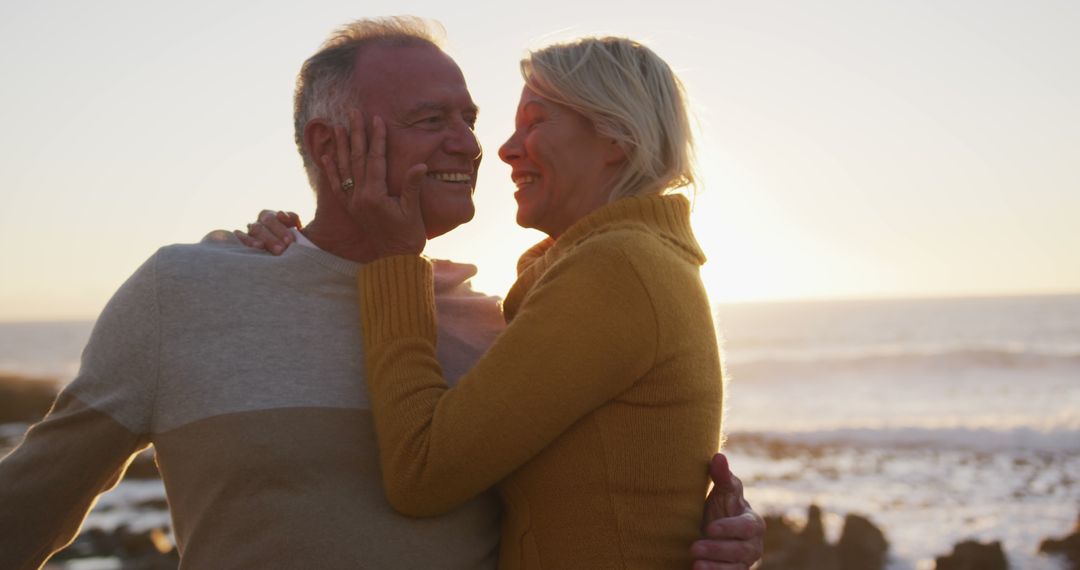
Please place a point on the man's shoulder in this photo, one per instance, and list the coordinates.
(216, 244)
(218, 252)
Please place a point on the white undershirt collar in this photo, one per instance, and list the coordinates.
(303, 239)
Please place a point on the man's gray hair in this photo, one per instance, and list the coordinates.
(323, 85)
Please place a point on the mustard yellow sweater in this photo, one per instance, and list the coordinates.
(595, 411)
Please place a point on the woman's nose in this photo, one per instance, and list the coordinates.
(510, 150)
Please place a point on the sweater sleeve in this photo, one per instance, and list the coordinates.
(83, 445)
(586, 333)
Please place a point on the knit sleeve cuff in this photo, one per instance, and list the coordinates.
(397, 299)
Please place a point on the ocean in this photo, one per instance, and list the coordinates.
(938, 419)
(941, 420)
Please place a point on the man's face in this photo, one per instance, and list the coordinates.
(420, 94)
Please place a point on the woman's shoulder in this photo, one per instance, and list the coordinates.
(639, 244)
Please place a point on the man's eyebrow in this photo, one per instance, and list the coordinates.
(439, 107)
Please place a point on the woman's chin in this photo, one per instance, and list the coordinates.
(525, 220)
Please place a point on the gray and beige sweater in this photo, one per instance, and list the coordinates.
(245, 373)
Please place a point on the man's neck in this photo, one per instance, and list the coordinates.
(333, 231)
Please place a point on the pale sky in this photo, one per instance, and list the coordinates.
(855, 148)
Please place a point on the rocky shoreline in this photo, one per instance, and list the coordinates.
(862, 545)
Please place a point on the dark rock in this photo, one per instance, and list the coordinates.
(780, 533)
(812, 551)
(147, 550)
(25, 400)
(780, 537)
(134, 545)
(91, 543)
(862, 545)
(789, 548)
(813, 534)
(153, 505)
(1067, 547)
(972, 555)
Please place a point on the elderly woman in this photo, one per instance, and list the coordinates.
(597, 409)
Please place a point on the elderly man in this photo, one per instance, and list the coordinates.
(244, 372)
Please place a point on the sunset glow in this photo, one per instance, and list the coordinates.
(848, 149)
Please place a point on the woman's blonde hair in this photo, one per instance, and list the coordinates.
(630, 95)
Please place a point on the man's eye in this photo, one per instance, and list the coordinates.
(428, 121)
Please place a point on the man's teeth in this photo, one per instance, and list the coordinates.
(451, 176)
(525, 179)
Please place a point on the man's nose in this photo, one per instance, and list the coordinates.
(464, 141)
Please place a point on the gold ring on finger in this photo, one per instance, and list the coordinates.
(347, 185)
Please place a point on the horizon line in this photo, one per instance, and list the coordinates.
(762, 301)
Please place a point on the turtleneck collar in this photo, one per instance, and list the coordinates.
(665, 216)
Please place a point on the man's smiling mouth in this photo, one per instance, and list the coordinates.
(452, 177)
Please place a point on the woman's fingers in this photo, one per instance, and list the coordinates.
(357, 142)
(410, 194)
(393, 222)
(375, 169)
(290, 219)
(341, 145)
(260, 237)
(247, 240)
(330, 168)
(279, 231)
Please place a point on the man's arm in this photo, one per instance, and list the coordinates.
(84, 444)
(50, 482)
(733, 535)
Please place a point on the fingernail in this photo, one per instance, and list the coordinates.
(276, 249)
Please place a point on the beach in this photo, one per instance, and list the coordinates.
(939, 420)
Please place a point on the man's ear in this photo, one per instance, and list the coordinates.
(319, 141)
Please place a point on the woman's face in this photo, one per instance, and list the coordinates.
(562, 167)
